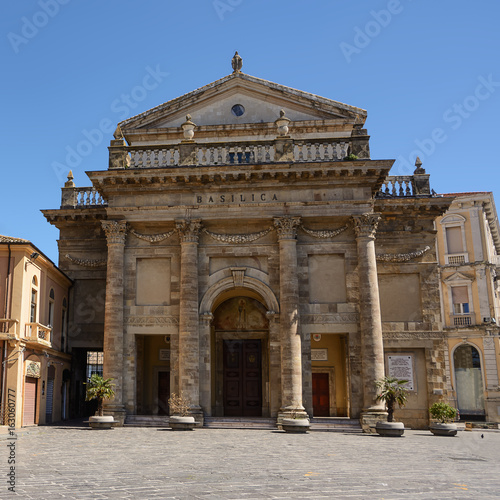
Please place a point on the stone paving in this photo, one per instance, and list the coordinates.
(75, 462)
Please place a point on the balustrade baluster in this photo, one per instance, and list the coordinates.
(317, 156)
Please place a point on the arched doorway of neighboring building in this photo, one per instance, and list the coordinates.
(241, 344)
(469, 382)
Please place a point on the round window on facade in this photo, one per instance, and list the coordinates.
(238, 110)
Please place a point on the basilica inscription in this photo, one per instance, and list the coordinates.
(207, 199)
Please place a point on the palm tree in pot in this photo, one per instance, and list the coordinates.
(100, 388)
(392, 391)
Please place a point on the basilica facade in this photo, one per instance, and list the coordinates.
(242, 248)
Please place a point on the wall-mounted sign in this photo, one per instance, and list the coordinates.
(164, 355)
(33, 369)
(401, 367)
(319, 354)
(317, 337)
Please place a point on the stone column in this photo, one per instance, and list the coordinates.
(274, 363)
(372, 347)
(113, 316)
(189, 343)
(205, 363)
(291, 353)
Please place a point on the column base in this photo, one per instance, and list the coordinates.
(290, 412)
(117, 412)
(368, 419)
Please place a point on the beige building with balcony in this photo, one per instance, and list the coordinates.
(35, 370)
(244, 249)
(468, 238)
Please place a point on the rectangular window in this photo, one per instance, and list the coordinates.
(95, 361)
(460, 299)
(454, 240)
(33, 306)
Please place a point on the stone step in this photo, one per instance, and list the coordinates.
(335, 424)
(240, 423)
(146, 421)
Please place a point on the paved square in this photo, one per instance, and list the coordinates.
(76, 462)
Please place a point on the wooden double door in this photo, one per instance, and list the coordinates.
(242, 379)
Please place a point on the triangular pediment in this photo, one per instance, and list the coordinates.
(242, 99)
(457, 277)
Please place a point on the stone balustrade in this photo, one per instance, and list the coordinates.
(229, 154)
(38, 333)
(397, 186)
(81, 197)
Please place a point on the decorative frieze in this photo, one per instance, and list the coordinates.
(116, 231)
(402, 257)
(323, 234)
(237, 238)
(153, 238)
(87, 262)
(413, 335)
(366, 225)
(152, 321)
(189, 230)
(329, 318)
(286, 227)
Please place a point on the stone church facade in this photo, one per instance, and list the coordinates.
(244, 249)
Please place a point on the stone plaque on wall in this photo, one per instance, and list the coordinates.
(319, 354)
(401, 367)
(164, 355)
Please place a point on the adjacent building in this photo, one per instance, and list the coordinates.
(35, 367)
(243, 248)
(468, 238)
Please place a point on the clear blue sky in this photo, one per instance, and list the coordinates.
(426, 71)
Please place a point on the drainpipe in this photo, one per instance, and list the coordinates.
(4, 354)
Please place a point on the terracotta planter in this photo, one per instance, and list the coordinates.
(182, 423)
(390, 429)
(440, 429)
(297, 425)
(104, 422)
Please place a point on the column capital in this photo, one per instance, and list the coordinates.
(365, 225)
(115, 231)
(286, 227)
(188, 230)
(206, 318)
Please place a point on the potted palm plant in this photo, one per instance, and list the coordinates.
(392, 391)
(100, 388)
(444, 413)
(180, 413)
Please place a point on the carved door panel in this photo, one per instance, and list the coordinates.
(321, 394)
(163, 392)
(242, 378)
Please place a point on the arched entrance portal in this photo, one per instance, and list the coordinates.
(469, 382)
(240, 338)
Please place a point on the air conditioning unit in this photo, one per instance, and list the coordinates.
(486, 320)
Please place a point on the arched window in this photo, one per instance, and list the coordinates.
(469, 380)
(50, 318)
(63, 324)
